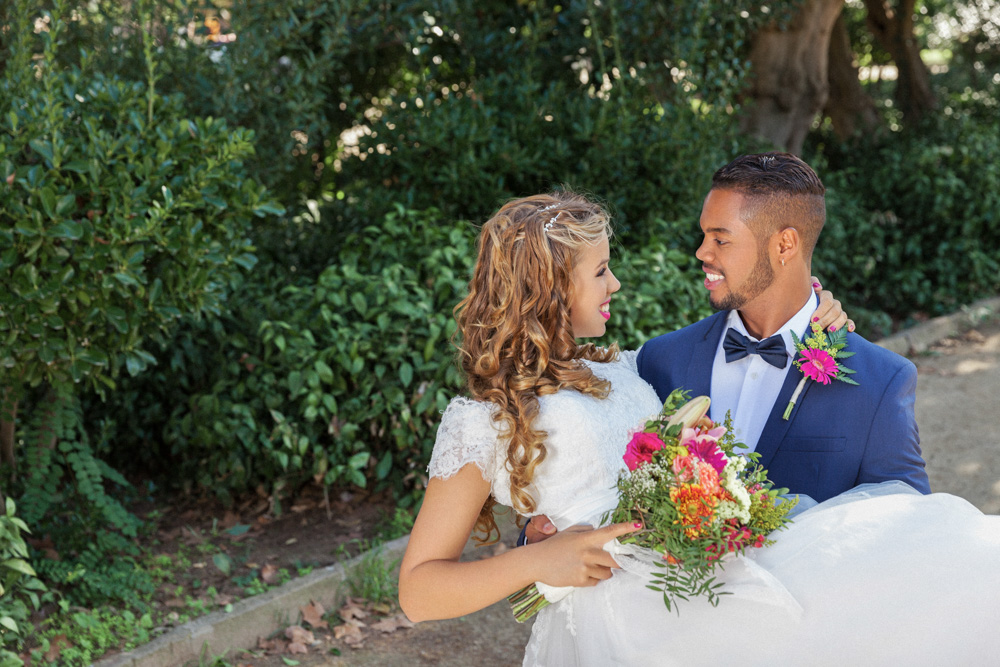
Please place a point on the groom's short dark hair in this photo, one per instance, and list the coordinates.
(779, 190)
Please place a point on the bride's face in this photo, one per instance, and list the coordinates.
(593, 285)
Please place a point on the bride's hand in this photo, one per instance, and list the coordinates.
(830, 313)
(576, 557)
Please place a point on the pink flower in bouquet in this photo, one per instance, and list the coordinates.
(688, 434)
(818, 365)
(708, 478)
(685, 468)
(707, 449)
(640, 449)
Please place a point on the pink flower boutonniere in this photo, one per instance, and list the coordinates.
(818, 360)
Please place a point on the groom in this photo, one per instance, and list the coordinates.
(760, 222)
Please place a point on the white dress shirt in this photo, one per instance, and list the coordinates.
(748, 387)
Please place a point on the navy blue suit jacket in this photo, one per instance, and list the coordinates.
(838, 435)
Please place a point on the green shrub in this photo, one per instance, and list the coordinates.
(19, 585)
(119, 216)
(67, 499)
(338, 378)
(913, 223)
(342, 378)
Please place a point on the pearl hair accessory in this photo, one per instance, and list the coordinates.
(552, 220)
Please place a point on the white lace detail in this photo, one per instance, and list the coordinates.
(466, 435)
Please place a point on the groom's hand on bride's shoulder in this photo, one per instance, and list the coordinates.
(537, 529)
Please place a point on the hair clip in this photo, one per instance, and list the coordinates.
(552, 206)
(552, 221)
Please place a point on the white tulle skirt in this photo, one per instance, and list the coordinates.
(881, 575)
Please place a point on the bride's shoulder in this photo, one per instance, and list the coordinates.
(466, 434)
(467, 414)
(463, 406)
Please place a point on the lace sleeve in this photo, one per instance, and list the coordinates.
(466, 435)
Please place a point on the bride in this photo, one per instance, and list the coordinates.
(879, 575)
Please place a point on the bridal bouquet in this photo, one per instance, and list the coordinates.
(696, 499)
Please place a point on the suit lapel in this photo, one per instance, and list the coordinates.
(699, 374)
(776, 427)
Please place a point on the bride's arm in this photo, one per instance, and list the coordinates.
(433, 584)
(830, 313)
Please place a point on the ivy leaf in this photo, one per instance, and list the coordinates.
(223, 562)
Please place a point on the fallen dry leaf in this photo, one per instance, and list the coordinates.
(271, 645)
(269, 574)
(351, 610)
(312, 614)
(392, 623)
(295, 647)
(175, 603)
(298, 634)
(303, 506)
(350, 632)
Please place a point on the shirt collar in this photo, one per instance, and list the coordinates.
(799, 323)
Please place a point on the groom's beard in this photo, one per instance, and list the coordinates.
(759, 280)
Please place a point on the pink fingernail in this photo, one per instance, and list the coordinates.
(637, 525)
(817, 285)
(833, 328)
(815, 319)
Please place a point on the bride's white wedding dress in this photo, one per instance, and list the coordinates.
(881, 575)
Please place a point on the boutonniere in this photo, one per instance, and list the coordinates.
(818, 359)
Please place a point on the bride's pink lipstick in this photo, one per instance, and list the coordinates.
(605, 314)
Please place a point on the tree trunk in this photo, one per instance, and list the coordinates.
(8, 420)
(892, 27)
(789, 68)
(849, 107)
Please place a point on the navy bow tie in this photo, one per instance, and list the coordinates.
(771, 350)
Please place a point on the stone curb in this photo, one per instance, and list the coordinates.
(259, 616)
(921, 337)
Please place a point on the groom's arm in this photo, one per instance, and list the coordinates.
(893, 451)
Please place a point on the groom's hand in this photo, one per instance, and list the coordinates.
(538, 528)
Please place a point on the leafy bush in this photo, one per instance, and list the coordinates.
(339, 378)
(636, 107)
(66, 499)
(342, 379)
(19, 585)
(913, 223)
(119, 215)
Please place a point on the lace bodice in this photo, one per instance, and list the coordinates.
(586, 438)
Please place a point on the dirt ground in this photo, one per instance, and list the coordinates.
(958, 412)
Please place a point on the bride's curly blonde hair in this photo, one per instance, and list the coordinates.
(516, 342)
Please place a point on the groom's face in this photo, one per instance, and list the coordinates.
(736, 264)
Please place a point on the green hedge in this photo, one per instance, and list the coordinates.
(914, 221)
(342, 379)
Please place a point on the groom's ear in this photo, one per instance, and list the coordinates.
(789, 243)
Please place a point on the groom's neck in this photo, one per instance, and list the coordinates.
(765, 315)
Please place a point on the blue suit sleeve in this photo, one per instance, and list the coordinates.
(893, 449)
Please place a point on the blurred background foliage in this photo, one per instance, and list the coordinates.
(232, 233)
